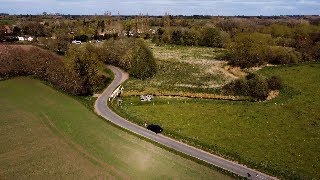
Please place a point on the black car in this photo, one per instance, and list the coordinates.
(155, 128)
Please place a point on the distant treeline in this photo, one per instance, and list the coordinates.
(250, 41)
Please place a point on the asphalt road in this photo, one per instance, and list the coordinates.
(103, 110)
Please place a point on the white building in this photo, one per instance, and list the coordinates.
(21, 38)
(29, 38)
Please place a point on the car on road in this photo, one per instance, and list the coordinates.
(155, 128)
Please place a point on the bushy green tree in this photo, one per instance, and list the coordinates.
(130, 54)
(283, 55)
(274, 83)
(42, 64)
(143, 63)
(253, 85)
(211, 37)
(258, 87)
(177, 37)
(249, 50)
(83, 61)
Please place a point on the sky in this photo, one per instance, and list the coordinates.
(160, 7)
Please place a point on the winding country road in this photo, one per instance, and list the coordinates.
(103, 110)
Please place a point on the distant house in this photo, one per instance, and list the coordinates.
(26, 38)
(30, 38)
(152, 31)
(21, 38)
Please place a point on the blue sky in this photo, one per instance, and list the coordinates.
(159, 7)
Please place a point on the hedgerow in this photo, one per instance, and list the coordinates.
(41, 64)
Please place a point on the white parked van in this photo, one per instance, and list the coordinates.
(76, 42)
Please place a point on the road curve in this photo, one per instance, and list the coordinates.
(103, 110)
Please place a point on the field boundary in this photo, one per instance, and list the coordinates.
(184, 95)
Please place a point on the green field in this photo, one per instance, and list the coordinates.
(184, 69)
(6, 22)
(45, 134)
(281, 136)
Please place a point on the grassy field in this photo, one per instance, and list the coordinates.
(6, 22)
(184, 69)
(281, 136)
(45, 134)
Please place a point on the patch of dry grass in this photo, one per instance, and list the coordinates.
(184, 69)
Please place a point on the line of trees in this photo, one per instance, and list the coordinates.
(256, 49)
(78, 72)
(84, 61)
(131, 54)
(29, 60)
(206, 36)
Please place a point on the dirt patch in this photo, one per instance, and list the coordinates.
(235, 71)
(273, 95)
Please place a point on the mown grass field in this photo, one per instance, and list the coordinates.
(184, 69)
(281, 136)
(45, 134)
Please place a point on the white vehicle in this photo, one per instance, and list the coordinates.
(21, 38)
(76, 42)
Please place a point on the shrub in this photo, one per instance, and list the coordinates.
(83, 60)
(254, 86)
(211, 37)
(256, 49)
(274, 83)
(28, 60)
(258, 88)
(143, 64)
(283, 55)
(82, 38)
(130, 54)
(237, 87)
(250, 50)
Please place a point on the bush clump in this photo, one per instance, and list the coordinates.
(254, 86)
(283, 55)
(84, 61)
(133, 55)
(274, 83)
(256, 49)
(143, 64)
(202, 36)
(28, 60)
